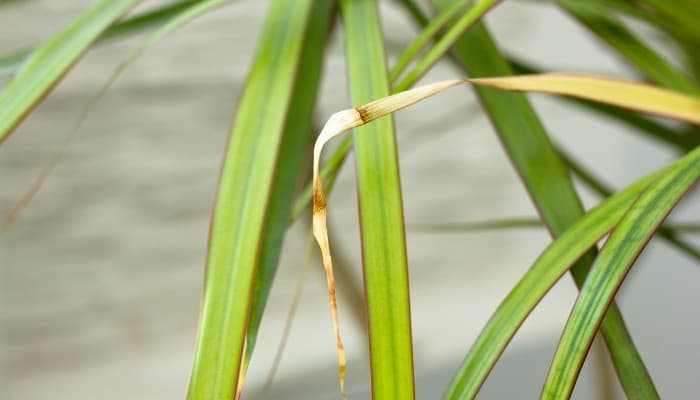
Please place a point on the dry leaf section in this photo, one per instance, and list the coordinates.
(626, 94)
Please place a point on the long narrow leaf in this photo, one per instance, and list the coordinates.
(616, 258)
(631, 95)
(425, 36)
(479, 363)
(546, 179)
(472, 16)
(544, 273)
(11, 63)
(385, 265)
(178, 19)
(52, 60)
(666, 232)
(244, 188)
(297, 132)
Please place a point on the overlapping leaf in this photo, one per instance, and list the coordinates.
(242, 202)
(626, 242)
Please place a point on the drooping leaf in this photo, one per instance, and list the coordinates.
(554, 262)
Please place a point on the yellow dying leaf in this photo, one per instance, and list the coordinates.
(617, 92)
(631, 95)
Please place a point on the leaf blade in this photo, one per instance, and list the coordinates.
(617, 92)
(385, 265)
(620, 251)
(288, 169)
(244, 188)
(531, 288)
(543, 174)
(42, 71)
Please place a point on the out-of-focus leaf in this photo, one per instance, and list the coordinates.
(622, 248)
(53, 59)
(425, 36)
(682, 13)
(631, 95)
(470, 17)
(643, 57)
(11, 63)
(519, 223)
(242, 202)
(177, 20)
(479, 226)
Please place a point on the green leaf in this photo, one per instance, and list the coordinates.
(381, 210)
(425, 36)
(42, 71)
(667, 232)
(681, 13)
(544, 175)
(620, 251)
(242, 202)
(544, 273)
(177, 20)
(478, 226)
(297, 132)
(470, 17)
(616, 34)
(11, 63)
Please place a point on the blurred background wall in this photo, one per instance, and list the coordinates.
(101, 276)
